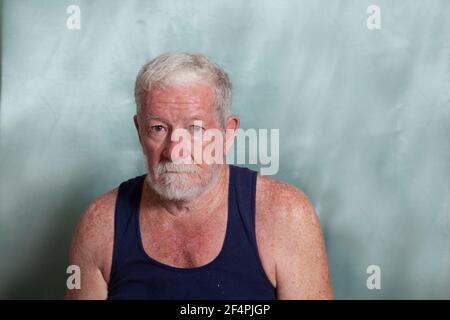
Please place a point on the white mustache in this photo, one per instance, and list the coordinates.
(170, 167)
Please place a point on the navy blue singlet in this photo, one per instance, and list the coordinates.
(236, 273)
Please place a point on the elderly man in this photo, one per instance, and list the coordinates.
(192, 229)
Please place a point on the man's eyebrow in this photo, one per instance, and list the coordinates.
(195, 117)
(172, 102)
(150, 117)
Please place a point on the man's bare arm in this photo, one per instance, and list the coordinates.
(92, 247)
(301, 264)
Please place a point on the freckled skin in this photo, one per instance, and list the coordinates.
(191, 234)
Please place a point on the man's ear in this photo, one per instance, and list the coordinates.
(231, 127)
(136, 124)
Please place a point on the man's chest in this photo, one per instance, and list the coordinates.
(187, 244)
(196, 243)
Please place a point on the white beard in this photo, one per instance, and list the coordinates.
(173, 181)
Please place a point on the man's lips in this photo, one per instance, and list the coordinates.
(176, 172)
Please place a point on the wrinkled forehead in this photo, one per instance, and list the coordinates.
(188, 96)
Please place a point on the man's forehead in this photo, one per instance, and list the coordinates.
(181, 94)
(181, 103)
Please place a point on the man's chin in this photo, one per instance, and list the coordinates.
(178, 194)
(180, 186)
(173, 192)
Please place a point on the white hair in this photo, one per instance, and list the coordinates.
(170, 69)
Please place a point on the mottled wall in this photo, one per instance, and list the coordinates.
(363, 117)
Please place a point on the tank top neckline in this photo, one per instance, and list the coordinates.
(215, 260)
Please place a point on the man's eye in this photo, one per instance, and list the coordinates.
(157, 129)
(196, 128)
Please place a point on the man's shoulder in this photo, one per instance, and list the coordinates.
(94, 234)
(282, 203)
(273, 192)
(285, 223)
(96, 222)
(101, 208)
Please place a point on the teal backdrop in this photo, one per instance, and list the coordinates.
(363, 116)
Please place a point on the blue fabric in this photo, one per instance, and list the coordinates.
(236, 273)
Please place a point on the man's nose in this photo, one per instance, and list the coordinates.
(177, 147)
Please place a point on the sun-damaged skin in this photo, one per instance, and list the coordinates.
(191, 233)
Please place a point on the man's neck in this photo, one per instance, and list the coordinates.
(212, 198)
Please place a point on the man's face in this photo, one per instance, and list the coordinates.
(162, 113)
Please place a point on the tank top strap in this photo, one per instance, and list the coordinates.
(241, 250)
(126, 211)
(242, 203)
